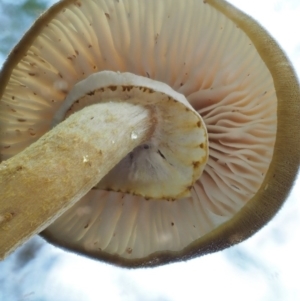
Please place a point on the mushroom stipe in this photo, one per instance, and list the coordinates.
(145, 132)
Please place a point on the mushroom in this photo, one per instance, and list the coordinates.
(175, 125)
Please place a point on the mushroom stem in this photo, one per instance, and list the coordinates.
(48, 177)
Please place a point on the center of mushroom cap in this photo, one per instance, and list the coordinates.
(168, 164)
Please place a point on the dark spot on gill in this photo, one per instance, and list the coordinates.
(131, 156)
(160, 153)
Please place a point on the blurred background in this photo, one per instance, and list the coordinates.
(264, 268)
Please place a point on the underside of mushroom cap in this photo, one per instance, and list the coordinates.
(230, 71)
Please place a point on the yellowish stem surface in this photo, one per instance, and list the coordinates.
(47, 178)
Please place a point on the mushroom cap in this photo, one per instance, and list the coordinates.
(230, 70)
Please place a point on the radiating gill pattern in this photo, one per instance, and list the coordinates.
(228, 84)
